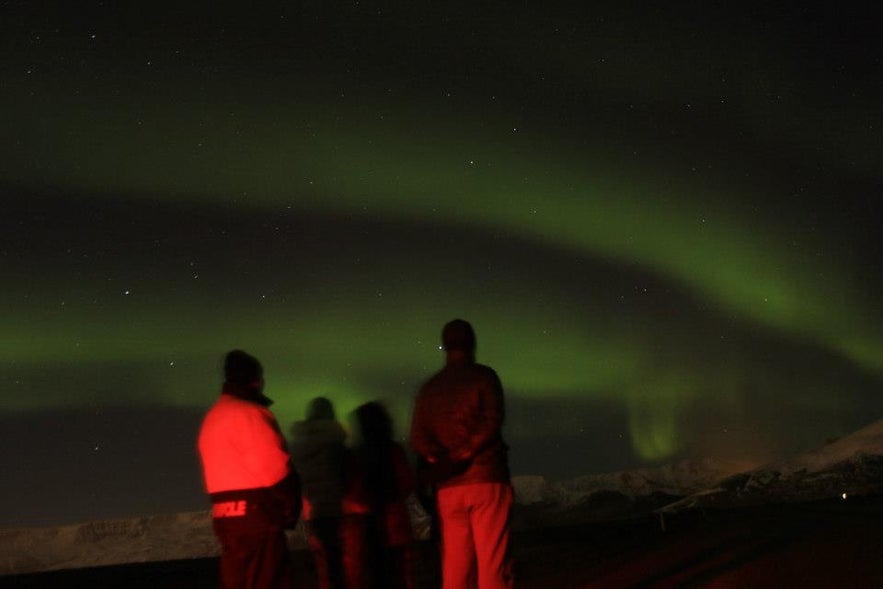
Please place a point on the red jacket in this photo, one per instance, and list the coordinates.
(457, 425)
(241, 446)
(246, 468)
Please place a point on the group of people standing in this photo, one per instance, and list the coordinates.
(352, 496)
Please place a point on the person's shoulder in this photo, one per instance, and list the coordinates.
(432, 380)
(484, 370)
(485, 376)
(244, 405)
(234, 408)
(299, 429)
(226, 410)
(325, 429)
(225, 404)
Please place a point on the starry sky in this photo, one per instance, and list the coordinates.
(664, 224)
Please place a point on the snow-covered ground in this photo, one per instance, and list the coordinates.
(852, 465)
(867, 441)
(677, 479)
(847, 467)
(99, 543)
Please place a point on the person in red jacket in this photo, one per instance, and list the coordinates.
(250, 479)
(456, 430)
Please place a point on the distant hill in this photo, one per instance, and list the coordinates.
(847, 467)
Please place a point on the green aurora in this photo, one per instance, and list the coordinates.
(741, 270)
(267, 161)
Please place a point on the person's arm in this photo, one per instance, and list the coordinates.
(489, 420)
(422, 441)
(288, 490)
(263, 448)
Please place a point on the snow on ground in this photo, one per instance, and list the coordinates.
(853, 463)
(106, 542)
(681, 478)
(849, 466)
(867, 441)
(142, 539)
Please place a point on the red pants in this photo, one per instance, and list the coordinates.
(353, 534)
(474, 522)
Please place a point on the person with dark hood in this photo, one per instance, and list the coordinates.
(387, 481)
(317, 445)
(250, 479)
(456, 430)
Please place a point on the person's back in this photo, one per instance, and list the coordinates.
(461, 409)
(250, 480)
(388, 480)
(456, 430)
(229, 466)
(317, 446)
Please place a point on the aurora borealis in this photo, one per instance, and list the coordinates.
(663, 224)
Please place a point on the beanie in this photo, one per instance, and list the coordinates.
(241, 368)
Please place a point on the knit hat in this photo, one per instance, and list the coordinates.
(242, 369)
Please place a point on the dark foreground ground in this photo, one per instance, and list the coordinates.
(832, 544)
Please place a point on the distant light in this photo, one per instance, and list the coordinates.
(843, 496)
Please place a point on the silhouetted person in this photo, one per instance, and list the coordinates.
(317, 445)
(456, 429)
(388, 481)
(250, 479)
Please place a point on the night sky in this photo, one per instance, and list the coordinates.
(664, 224)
